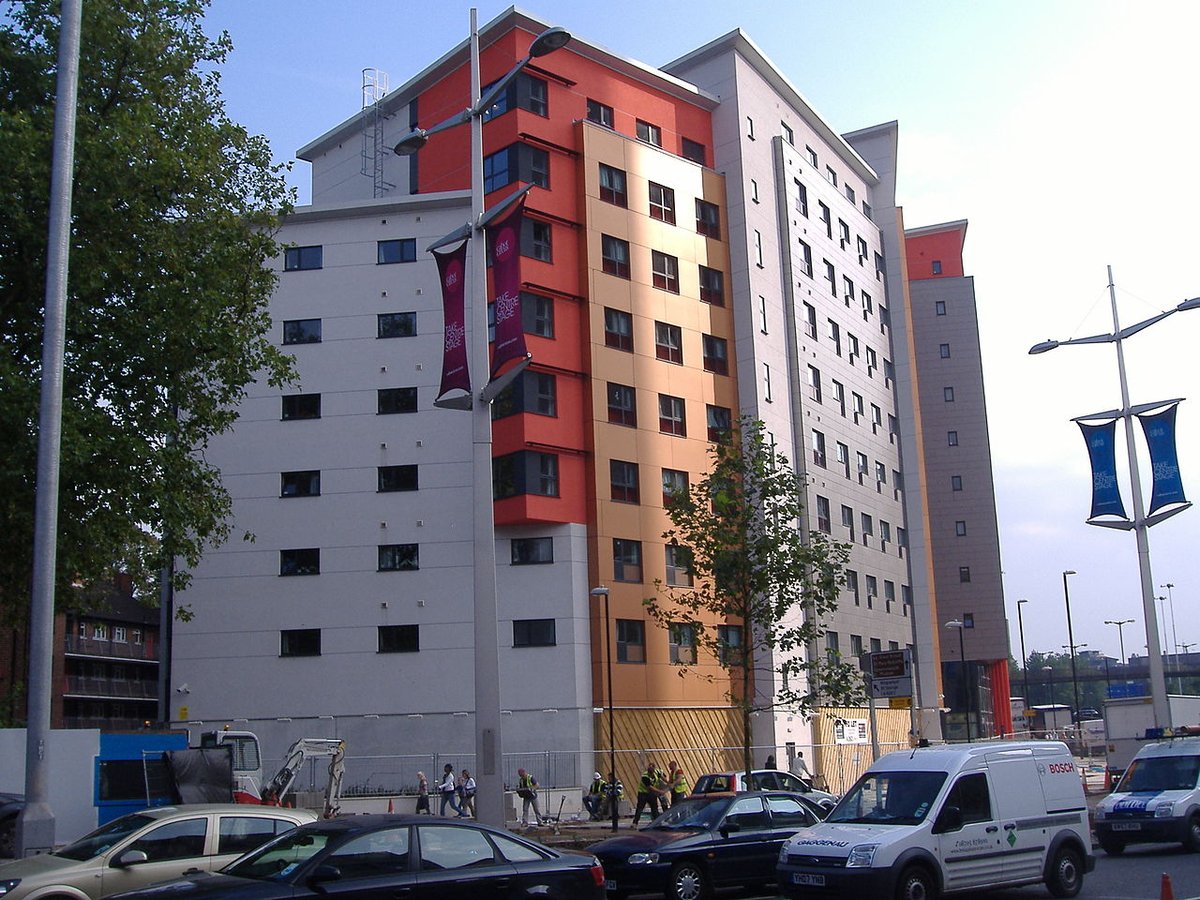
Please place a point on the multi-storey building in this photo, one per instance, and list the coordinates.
(698, 242)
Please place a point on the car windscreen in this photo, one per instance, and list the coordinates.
(276, 860)
(890, 798)
(696, 812)
(1161, 773)
(100, 840)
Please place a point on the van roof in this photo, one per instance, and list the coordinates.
(950, 757)
(1185, 746)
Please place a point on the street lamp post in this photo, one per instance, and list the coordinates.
(1024, 658)
(1049, 671)
(613, 799)
(962, 662)
(1071, 640)
(1141, 526)
(1174, 634)
(1120, 623)
(489, 753)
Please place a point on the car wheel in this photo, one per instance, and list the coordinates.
(916, 884)
(1066, 873)
(688, 882)
(1112, 846)
(1191, 837)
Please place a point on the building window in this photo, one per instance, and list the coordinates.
(863, 251)
(302, 331)
(729, 645)
(872, 590)
(767, 383)
(939, 307)
(750, 127)
(806, 263)
(753, 191)
(788, 134)
(137, 636)
(801, 198)
(622, 405)
(848, 520)
(534, 551)
(720, 422)
(401, 250)
(964, 574)
(956, 483)
(623, 481)
(831, 176)
(758, 248)
(298, 258)
(951, 438)
(301, 406)
(712, 286)
(716, 354)
(119, 637)
(300, 642)
(681, 643)
(599, 113)
(948, 394)
(399, 638)
(679, 566)
(533, 633)
(396, 325)
(830, 276)
(810, 320)
(852, 586)
(627, 560)
(306, 561)
(399, 557)
(856, 401)
(867, 211)
(613, 186)
(516, 162)
(525, 472)
(843, 234)
(537, 315)
(814, 383)
(708, 219)
(868, 531)
(525, 92)
(631, 641)
(531, 392)
(694, 151)
(824, 522)
(849, 193)
(300, 484)
(812, 156)
(960, 528)
(843, 457)
(818, 448)
(674, 484)
(397, 478)
(826, 219)
(672, 417)
(614, 254)
(397, 400)
(835, 336)
(536, 237)
(662, 203)
(618, 329)
(944, 351)
(651, 134)
(665, 271)
(937, 267)
(668, 342)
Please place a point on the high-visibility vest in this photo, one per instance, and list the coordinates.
(598, 786)
(527, 782)
(679, 784)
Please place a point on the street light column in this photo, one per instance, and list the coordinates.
(614, 800)
(1024, 658)
(1071, 642)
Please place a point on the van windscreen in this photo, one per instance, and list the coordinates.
(890, 798)
(1161, 773)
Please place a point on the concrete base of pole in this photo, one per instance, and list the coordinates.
(35, 830)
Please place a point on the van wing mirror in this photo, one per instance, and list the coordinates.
(950, 819)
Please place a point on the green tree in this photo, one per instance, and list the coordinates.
(737, 532)
(174, 216)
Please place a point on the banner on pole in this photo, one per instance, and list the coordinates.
(456, 375)
(1159, 429)
(1102, 450)
(504, 245)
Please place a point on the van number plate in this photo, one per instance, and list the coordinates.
(1127, 826)
(810, 880)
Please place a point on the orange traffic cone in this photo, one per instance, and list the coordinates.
(390, 809)
(1167, 893)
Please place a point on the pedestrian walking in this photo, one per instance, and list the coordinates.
(799, 767)
(650, 789)
(678, 783)
(466, 787)
(527, 790)
(423, 794)
(449, 791)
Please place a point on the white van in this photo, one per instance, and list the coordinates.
(1157, 800)
(920, 823)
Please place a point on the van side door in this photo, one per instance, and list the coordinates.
(968, 835)
(1021, 810)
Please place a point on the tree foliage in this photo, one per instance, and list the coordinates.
(738, 529)
(173, 217)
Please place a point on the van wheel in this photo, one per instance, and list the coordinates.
(1066, 873)
(688, 882)
(1112, 846)
(1191, 838)
(916, 884)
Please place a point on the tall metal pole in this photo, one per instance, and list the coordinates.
(35, 825)
(962, 655)
(612, 743)
(1024, 658)
(1174, 635)
(1071, 641)
(1120, 623)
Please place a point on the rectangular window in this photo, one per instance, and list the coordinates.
(525, 472)
(801, 198)
(824, 522)
(534, 633)
(806, 263)
(679, 566)
(939, 307)
(306, 561)
(753, 191)
(861, 467)
(758, 248)
(399, 638)
(627, 560)
(867, 211)
(298, 258)
(885, 533)
(674, 484)
(623, 481)
(537, 315)
(788, 134)
(672, 418)
(668, 342)
(872, 591)
(400, 250)
(399, 557)
(631, 641)
(397, 478)
(956, 483)
(937, 267)
(811, 154)
(599, 113)
(526, 92)
(622, 405)
(951, 438)
(848, 520)
(826, 219)
(855, 351)
(729, 645)
(856, 401)
(614, 254)
(618, 329)
(852, 585)
(300, 406)
(681, 643)
(716, 354)
(830, 175)
(849, 193)
(651, 134)
(750, 127)
(876, 418)
(516, 162)
(533, 551)
(694, 151)
(843, 458)
(300, 484)
(948, 394)
(531, 392)
(300, 642)
(708, 219)
(396, 325)
(964, 574)
(613, 186)
(835, 336)
(720, 422)
(960, 528)
(536, 239)
(665, 271)
(810, 320)
(863, 251)
(302, 331)
(818, 448)
(662, 203)
(830, 276)
(712, 286)
(814, 383)
(767, 382)
(843, 234)
(944, 351)
(397, 400)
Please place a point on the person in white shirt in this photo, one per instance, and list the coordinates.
(449, 791)
(799, 767)
(467, 785)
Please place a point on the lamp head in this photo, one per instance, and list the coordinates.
(548, 41)
(1194, 303)
(954, 623)
(1069, 572)
(1022, 600)
(412, 142)
(1043, 347)
(601, 591)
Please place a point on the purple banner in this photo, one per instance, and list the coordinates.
(452, 271)
(504, 245)
(1102, 449)
(1164, 461)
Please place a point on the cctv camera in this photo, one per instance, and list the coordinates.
(182, 689)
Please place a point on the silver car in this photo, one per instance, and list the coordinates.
(144, 847)
(764, 780)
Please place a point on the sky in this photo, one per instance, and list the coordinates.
(1065, 133)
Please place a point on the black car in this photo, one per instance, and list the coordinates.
(703, 843)
(391, 856)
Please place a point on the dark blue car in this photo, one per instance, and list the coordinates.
(704, 843)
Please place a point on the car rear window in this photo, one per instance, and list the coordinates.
(241, 834)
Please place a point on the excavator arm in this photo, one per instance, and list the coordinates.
(281, 784)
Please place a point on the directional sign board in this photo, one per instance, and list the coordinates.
(890, 673)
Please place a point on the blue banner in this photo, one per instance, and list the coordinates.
(1164, 461)
(1102, 450)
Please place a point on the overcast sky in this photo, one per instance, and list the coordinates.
(1066, 133)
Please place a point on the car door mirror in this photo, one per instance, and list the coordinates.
(324, 873)
(728, 828)
(129, 858)
(950, 820)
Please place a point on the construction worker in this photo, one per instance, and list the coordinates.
(651, 787)
(613, 792)
(593, 799)
(677, 782)
(527, 787)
